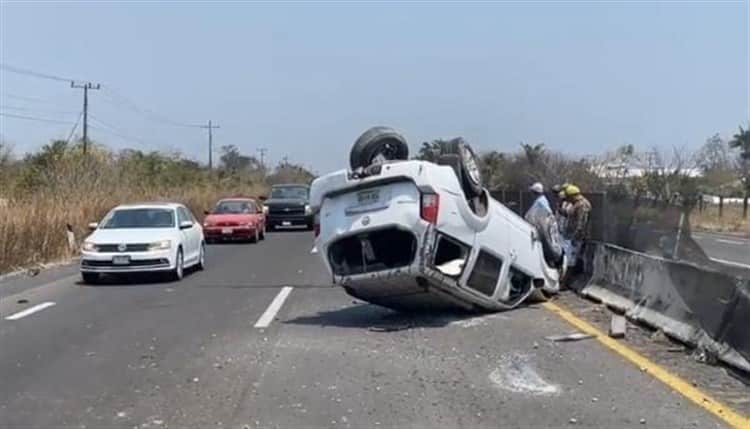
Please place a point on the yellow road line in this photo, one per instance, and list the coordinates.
(679, 385)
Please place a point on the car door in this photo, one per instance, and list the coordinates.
(188, 235)
(258, 218)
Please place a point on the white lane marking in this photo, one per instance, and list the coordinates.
(724, 261)
(721, 240)
(273, 308)
(30, 311)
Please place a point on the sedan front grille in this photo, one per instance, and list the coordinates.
(132, 263)
(114, 248)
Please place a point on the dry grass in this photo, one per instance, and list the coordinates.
(731, 220)
(34, 231)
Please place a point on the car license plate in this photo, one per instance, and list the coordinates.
(368, 198)
(121, 260)
(226, 231)
(286, 223)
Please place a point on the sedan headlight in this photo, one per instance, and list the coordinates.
(89, 246)
(160, 245)
(308, 210)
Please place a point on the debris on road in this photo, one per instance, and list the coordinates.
(618, 325)
(576, 336)
(22, 301)
(573, 421)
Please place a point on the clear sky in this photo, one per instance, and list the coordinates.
(304, 80)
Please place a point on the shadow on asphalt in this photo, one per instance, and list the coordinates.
(136, 279)
(375, 318)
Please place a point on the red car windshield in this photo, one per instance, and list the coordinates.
(235, 207)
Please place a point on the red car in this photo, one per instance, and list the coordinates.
(235, 219)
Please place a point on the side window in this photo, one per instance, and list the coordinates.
(253, 207)
(182, 215)
(486, 273)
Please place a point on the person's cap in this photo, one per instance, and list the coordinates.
(537, 187)
(572, 190)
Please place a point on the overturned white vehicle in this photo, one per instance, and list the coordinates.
(407, 234)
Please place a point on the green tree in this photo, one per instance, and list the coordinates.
(533, 153)
(741, 141)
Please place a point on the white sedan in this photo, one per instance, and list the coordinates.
(154, 237)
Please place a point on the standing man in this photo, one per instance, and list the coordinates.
(576, 228)
(540, 201)
(540, 215)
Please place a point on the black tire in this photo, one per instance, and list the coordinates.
(201, 265)
(179, 270)
(90, 278)
(470, 174)
(378, 144)
(255, 238)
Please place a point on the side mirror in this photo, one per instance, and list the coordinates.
(186, 224)
(93, 226)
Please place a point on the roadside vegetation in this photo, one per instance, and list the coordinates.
(58, 187)
(719, 168)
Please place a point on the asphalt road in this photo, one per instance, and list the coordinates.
(188, 355)
(725, 248)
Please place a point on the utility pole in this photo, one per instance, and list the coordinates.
(86, 86)
(262, 152)
(210, 127)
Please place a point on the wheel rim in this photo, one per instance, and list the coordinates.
(257, 235)
(203, 256)
(470, 165)
(179, 265)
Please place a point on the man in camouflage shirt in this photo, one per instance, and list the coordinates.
(576, 230)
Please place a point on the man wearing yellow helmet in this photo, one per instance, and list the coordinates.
(576, 227)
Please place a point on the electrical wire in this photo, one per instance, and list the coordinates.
(32, 73)
(120, 100)
(78, 121)
(25, 98)
(32, 118)
(26, 109)
(103, 126)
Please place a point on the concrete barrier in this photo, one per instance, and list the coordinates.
(695, 305)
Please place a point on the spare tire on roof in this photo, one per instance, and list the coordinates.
(376, 146)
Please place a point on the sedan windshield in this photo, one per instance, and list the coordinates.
(290, 192)
(234, 207)
(139, 218)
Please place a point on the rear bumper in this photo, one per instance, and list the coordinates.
(217, 233)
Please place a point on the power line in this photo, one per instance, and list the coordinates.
(26, 98)
(32, 118)
(78, 121)
(104, 126)
(123, 101)
(32, 73)
(26, 109)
